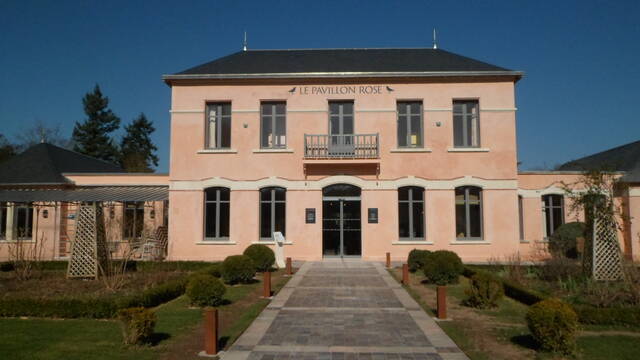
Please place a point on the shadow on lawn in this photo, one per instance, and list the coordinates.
(157, 338)
(526, 341)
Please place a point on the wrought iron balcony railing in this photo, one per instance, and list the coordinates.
(352, 146)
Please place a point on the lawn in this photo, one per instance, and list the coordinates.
(501, 333)
(178, 331)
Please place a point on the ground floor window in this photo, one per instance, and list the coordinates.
(3, 220)
(468, 213)
(411, 213)
(272, 211)
(22, 220)
(521, 217)
(216, 213)
(133, 219)
(553, 206)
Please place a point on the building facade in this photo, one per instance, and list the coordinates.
(354, 152)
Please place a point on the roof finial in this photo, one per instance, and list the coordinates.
(435, 42)
(244, 42)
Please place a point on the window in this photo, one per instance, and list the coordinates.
(468, 213)
(216, 213)
(272, 211)
(3, 220)
(466, 123)
(411, 213)
(273, 125)
(218, 126)
(23, 220)
(521, 217)
(553, 206)
(133, 219)
(409, 124)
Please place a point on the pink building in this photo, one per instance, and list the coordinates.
(355, 152)
(349, 152)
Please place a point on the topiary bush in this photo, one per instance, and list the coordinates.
(443, 267)
(137, 325)
(237, 269)
(564, 241)
(416, 259)
(261, 255)
(484, 291)
(205, 290)
(213, 270)
(553, 325)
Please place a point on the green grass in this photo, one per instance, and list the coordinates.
(609, 347)
(44, 339)
(457, 333)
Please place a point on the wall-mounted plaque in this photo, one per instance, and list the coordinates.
(373, 215)
(310, 215)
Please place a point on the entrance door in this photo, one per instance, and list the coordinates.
(341, 221)
(341, 128)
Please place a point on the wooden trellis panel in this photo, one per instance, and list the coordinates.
(605, 257)
(88, 249)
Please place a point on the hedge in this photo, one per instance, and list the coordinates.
(95, 308)
(587, 314)
(132, 265)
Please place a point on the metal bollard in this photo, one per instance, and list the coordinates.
(266, 279)
(405, 274)
(441, 292)
(388, 260)
(289, 270)
(210, 332)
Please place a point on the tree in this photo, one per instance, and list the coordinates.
(136, 148)
(7, 150)
(91, 137)
(40, 133)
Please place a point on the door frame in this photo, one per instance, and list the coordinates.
(341, 200)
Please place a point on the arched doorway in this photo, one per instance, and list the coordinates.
(341, 221)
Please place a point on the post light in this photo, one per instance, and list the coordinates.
(152, 214)
(266, 279)
(45, 213)
(210, 332)
(112, 212)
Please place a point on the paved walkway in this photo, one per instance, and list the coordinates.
(343, 310)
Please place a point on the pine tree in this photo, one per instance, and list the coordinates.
(91, 137)
(137, 149)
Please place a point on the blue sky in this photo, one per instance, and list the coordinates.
(581, 58)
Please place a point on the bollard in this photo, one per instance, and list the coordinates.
(266, 279)
(289, 268)
(442, 301)
(405, 274)
(210, 332)
(388, 260)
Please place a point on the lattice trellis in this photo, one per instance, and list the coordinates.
(604, 260)
(88, 250)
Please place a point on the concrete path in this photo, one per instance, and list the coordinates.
(343, 310)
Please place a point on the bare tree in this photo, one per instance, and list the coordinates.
(41, 133)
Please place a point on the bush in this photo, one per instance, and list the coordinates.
(443, 267)
(213, 270)
(262, 256)
(6, 266)
(137, 325)
(560, 268)
(416, 259)
(564, 241)
(205, 290)
(621, 316)
(154, 296)
(237, 269)
(484, 291)
(553, 325)
(186, 266)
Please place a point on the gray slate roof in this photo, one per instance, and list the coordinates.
(44, 164)
(621, 158)
(253, 63)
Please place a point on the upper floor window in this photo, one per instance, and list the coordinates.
(411, 213)
(468, 213)
(341, 118)
(133, 219)
(273, 125)
(272, 211)
(466, 123)
(216, 213)
(22, 220)
(218, 127)
(553, 206)
(521, 217)
(409, 124)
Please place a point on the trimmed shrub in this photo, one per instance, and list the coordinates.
(205, 290)
(154, 296)
(6, 266)
(564, 241)
(484, 291)
(553, 325)
(137, 325)
(237, 269)
(416, 259)
(213, 270)
(620, 316)
(185, 266)
(443, 267)
(262, 256)
(511, 289)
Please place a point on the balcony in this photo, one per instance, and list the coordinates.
(351, 146)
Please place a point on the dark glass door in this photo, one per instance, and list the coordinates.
(341, 227)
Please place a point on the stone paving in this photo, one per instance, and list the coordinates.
(345, 310)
